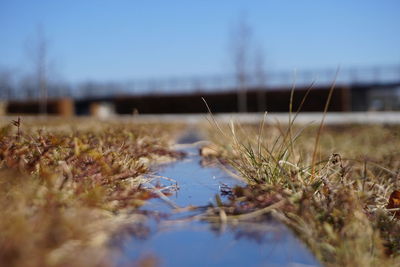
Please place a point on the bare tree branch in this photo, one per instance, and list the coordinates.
(38, 52)
(241, 41)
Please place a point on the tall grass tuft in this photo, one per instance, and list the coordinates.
(335, 183)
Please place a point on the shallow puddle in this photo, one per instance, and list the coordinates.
(195, 243)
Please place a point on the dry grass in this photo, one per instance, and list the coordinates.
(67, 188)
(336, 205)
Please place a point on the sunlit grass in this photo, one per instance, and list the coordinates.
(336, 202)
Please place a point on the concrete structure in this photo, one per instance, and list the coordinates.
(357, 89)
(63, 107)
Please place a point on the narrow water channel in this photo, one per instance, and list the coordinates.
(196, 243)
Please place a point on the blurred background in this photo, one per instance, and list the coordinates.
(127, 57)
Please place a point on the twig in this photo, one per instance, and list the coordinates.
(247, 216)
(163, 197)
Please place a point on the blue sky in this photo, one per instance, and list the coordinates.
(127, 39)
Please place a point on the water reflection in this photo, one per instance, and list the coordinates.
(203, 244)
(200, 243)
(256, 232)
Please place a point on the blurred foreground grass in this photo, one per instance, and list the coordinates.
(67, 188)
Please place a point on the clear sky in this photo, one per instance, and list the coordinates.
(127, 39)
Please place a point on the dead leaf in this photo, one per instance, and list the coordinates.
(210, 150)
(394, 202)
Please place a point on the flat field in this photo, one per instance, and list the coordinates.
(70, 189)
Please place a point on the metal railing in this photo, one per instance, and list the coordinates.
(376, 75)
(274, 80)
